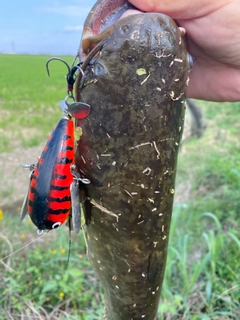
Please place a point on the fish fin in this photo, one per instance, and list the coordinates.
(76, 210)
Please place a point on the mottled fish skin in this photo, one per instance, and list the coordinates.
(128, 151)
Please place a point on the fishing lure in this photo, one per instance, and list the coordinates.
(54, 183)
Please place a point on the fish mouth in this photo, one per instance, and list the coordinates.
(100, 20)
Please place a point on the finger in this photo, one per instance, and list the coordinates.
(181, 9)
(213, 81)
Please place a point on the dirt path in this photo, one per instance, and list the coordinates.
(13, 178)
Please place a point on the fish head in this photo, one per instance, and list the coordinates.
(142, 62)
(100, 22)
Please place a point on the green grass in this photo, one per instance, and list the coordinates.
(202, 279)
(29, 99)
(37, 277)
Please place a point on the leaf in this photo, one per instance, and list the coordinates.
(235, 238)
(50, 286)
(77, 133)
(141, 71)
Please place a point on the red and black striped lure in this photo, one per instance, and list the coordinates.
(54, 184)
(49, 199)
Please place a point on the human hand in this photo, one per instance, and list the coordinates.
(213, 39)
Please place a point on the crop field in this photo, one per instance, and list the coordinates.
(202, 278)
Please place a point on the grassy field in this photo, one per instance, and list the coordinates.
(29, 99)
(202, 279)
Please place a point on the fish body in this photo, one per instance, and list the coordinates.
(129, 146)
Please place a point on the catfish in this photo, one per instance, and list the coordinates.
(134, 82)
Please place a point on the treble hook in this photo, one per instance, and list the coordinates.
(57, 59)
(71, 78)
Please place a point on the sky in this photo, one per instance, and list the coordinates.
(42, 26)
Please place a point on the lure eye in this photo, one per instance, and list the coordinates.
(56, 225)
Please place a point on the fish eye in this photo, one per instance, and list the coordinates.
(56, 225)
(98, 69)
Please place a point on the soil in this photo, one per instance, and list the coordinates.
(14, 179)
